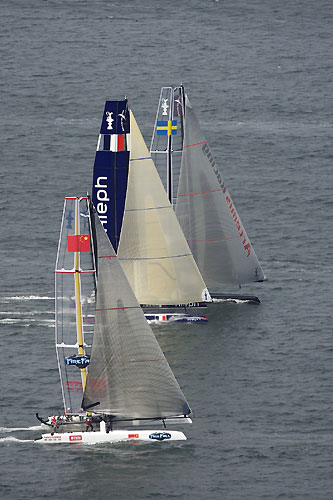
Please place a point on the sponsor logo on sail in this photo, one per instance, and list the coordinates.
(109, 119)
(160, 436)
(165, 106)
(242, 234)
(69, 219)
(122, 117)
(102, 199)
(74, 386)
(77, 360)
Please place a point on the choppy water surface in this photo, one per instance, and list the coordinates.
(257, 377)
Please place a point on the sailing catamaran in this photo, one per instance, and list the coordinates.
(200, 198)
(113, 366)
(138, 217)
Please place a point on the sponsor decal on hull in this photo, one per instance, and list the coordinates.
(51, 438)
(75, 437)
(160, 436)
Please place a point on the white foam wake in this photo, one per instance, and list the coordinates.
(24, 313)
(14, 429)
(12, 438)
(26, 297)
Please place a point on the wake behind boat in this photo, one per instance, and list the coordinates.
(116, 382)
(201, 200)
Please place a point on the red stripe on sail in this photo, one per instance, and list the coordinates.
(197, 144)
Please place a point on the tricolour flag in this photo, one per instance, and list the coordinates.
(115, 143)
(118, 143)
(166, 127)
(78, 242)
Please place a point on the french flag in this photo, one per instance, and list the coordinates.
(114, 142)
(118, 142)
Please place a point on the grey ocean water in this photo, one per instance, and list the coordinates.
(259, 74)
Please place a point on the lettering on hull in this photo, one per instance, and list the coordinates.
(160, 436)
(51, 438)
(75, 437)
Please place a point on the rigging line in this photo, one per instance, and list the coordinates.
(136, 361)
(203, 192)
(150, 208)
(157, 258)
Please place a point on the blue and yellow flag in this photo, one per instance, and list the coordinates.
(165, 127)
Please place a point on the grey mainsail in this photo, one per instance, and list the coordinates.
(129, 376)
(204, 208)
(208, 217)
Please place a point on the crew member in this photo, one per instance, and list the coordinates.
(89, 425)
(53, 425)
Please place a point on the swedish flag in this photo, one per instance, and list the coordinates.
(165, 127)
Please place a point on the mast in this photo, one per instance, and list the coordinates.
(75, 287)
(169, 169)
(169, 157)
(79, 328)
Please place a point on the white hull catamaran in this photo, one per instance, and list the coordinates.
(139, 220)
(113, 371)
(201, 200)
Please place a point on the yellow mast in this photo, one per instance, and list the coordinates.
(79, 329)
